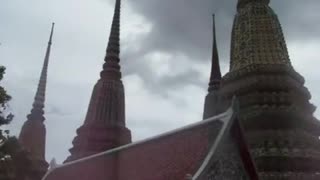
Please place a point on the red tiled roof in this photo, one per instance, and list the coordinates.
(170, 156)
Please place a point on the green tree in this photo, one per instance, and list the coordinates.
(14, 160)
(4, 98)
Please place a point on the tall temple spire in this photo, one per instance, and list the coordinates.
(33, 133)
(104, 127)
(215, 76)
(39, 99)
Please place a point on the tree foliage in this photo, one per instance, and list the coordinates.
(4, 98)
(14, 160)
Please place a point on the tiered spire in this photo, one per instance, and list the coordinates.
(39, 99)
(215, 76)
(104, 127)
(111, 67)
(33, 132)
(211, 103)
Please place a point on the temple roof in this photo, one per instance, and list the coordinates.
(188, 151)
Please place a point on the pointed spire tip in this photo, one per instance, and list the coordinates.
(214, 27)
(52, 27)
(215, 76)
(51, 34)
(111, 67)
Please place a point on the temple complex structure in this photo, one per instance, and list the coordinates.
(275, 111)
(33, 133)
(257, 122)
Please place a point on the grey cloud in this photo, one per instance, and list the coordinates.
(299, 19)
(165, 83)
(53, 109)
(185, 26)
(175, 81)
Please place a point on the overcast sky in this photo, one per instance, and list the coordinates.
(165, 58)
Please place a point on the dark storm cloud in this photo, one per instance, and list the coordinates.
(185, 26)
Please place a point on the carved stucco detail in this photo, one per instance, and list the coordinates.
(257, 38)
(227, 163)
